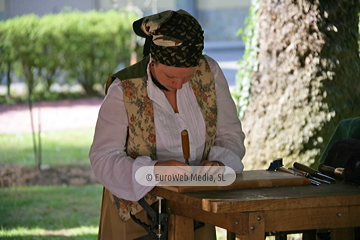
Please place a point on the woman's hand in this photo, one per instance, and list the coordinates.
(210, 167)
(211, 163)
(170, 163)
(170, 167)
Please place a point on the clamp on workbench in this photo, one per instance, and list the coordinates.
(159, 220)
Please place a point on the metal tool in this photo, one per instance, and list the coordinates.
(185, 145)
(307, 175)
(277, 165)
(159, 225)
(159, 220)
(313, 172)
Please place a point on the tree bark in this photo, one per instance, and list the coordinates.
(307, 82)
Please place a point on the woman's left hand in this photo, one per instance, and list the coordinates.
(212, 167)
(211, 163)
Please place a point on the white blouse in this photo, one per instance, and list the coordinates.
(116, 171)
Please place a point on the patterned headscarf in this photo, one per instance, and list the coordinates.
(174, 38)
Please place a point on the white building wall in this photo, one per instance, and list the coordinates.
(40, 7)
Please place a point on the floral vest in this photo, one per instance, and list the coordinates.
(141, 139)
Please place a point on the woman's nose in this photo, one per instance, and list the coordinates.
(178, 82)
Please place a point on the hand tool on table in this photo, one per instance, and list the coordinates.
(185, 145)
(351, 172)
(277, 165)
(313, 172)
(338, 172)
(307, 175)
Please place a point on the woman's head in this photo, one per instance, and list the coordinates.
(174, 38)
(172, 78)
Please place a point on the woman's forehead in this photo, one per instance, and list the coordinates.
(178, 71)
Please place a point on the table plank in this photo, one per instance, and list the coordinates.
(181, 231)
(235, 222)
(249, 179)
(256, 227)
(307, 218)
(259, 199)
(250, 212)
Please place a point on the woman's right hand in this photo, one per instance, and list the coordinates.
(170, 163)
(172, 167)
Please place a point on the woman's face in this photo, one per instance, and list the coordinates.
(172, 77)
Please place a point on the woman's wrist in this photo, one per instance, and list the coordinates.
(218, 162)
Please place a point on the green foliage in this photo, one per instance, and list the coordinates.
(249, 63)
(4, 50)
(21, 36)
(82, 47)
(51, 42)
(95, 44)
(67, 147)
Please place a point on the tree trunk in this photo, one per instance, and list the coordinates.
(308, 79)
(8, 77)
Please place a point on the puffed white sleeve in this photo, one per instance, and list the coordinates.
(109, 161)
(229, 141)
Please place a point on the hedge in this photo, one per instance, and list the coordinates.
(86, 47)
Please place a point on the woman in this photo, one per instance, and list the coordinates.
(147, 106)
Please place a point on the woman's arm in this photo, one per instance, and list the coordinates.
(229, 142)
(110, 163)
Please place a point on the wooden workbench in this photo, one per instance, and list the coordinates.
(251, 212)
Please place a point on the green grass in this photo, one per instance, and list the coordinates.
(60, 212)
(67, 147)
(50, 212)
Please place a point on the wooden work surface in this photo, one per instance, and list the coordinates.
(251, 199)
(249, 179)
(287, 208)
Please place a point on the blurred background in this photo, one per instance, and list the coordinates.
(292, 68)
(220, 20)
(48, 105)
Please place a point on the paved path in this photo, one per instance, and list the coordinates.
(57, 115)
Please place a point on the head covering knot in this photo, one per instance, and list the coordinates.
(173, 38)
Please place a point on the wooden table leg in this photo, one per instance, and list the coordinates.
(309, 235)
(256, 227)
(180, 228)
(230, 235)
(342, 233)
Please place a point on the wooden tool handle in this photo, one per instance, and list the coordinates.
(339, 172)
(285, 170)
(185, 144)
(305, 174)
(313, 172)
(326, 169)
(304, 168)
